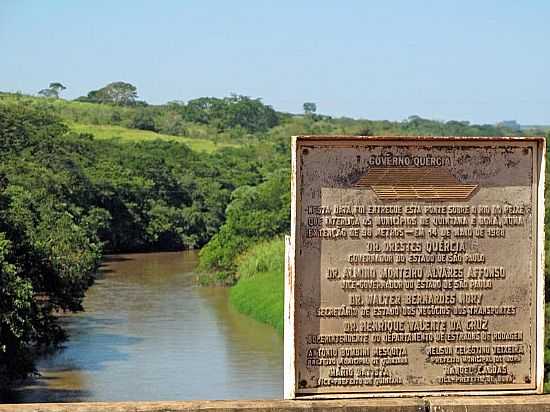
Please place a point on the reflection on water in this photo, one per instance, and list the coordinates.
(148, 333)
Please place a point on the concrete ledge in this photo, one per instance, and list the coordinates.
(355, 405)
(512, 403)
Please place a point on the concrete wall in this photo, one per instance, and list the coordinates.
(529, 403)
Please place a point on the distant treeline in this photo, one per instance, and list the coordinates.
(67, 198)
(235, 117)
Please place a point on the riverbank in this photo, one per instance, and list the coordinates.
(259, 292)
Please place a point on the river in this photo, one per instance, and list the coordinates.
(150, 333)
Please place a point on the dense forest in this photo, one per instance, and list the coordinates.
(109, 173)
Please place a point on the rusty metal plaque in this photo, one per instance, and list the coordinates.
(415, 266)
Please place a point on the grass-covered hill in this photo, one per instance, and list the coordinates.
(124, 134)
(113, 122)
(111, 174)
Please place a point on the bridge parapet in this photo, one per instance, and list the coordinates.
(530, 403)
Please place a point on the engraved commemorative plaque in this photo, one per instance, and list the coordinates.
(415, 266)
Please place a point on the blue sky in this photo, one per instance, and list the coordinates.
(482, 61)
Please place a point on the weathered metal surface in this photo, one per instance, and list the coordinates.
(416, 266)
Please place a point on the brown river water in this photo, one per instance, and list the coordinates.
(150, 333)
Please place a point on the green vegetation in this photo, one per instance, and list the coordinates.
(231, 120)
(48, 237)
(53, 90)
(255, 213)
(65, 198)
(102, 132)
(262, 212)
(110, 173)
(259, 291)
(117, 93)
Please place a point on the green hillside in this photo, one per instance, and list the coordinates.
(118, 122)
(125, 134)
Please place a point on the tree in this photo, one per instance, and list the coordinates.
(121, 93)
(49, 250)
(53, 90)
(118, 93)
(49, 93)
(255, 213)
(143, 120)
(250, 114)
(310, 108)
(57, 87)
(231, 112)
(203, 110)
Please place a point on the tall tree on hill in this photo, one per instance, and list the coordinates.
(118, 93)
(309, 108)
(121, 93)
(53, 90)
